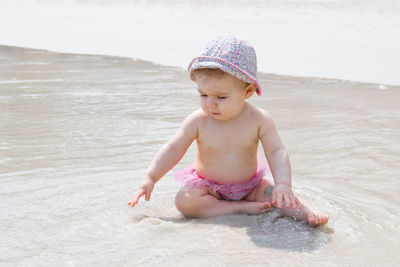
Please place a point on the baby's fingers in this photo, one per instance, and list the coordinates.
(293, 201)
(147, 195)
(273, 197)
(288, 200)
(279, 200)
(276, 198)
(136, 197)
(297, 201)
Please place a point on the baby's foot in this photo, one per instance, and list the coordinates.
(316, 218)
(313, 216)
(248, 207)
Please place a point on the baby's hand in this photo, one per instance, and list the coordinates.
(283, 193)
(145, 189)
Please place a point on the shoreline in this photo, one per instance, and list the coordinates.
(380, 86)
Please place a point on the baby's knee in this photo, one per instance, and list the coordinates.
(263, 192)
(185, 201)
(180, 200)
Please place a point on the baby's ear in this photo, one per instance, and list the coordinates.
(250, 89)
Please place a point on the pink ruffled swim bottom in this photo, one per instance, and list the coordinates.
(189, 177)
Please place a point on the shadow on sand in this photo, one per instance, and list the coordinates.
(269, 230)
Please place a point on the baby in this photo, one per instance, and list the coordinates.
(227, 176)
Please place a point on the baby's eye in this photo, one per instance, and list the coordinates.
(221, 97)
(202, 95)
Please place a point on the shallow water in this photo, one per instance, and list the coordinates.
(77, 133)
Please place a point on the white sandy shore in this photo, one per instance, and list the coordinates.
(352, 40)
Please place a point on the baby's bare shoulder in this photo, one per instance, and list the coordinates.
(190, 126)
(194, 119)
(264, 121)
(196, 116)
(261, 115)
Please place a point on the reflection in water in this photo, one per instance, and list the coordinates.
(77, 132)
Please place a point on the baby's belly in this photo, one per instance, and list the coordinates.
(226, 171)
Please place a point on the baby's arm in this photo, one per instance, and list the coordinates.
(167, 157)
(279, 163)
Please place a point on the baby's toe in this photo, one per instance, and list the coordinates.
(311, 218)
(317, 218)
(324, 218)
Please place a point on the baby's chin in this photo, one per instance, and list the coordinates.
(222, 118)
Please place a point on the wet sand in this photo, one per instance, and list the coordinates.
(78, 131)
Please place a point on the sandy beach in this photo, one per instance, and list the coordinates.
(78, 131)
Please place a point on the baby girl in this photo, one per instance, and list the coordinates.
(228, 175)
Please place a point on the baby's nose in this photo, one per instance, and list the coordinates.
(211, 102)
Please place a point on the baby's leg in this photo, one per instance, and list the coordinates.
(202, 202)
(263, 192)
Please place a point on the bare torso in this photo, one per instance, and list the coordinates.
(227, 150)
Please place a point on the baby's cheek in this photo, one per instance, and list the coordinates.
(204, 108)
(233, 109)
(202, 103)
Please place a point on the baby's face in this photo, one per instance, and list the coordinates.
(222, 98)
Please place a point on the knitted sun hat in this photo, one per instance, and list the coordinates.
(231, 55)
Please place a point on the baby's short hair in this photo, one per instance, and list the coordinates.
(208, 73)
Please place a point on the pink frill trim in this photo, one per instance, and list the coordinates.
(189, 177)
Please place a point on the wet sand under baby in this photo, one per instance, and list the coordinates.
(78, 131)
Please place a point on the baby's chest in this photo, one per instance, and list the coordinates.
(228, 139)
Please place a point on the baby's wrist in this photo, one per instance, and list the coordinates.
(149, 178)
(283, 184)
